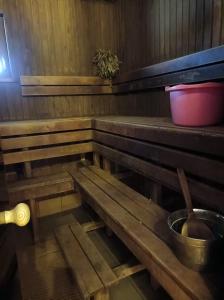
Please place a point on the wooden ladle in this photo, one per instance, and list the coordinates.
(193, 226)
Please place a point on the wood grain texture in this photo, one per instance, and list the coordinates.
(141, 32)
(78, 262)
(145, 243)
(46, 139)
(57, 37)
(43, 126)
(63, 80)
(200, 191)
(194, 164)
(59, 151)
(65, 90)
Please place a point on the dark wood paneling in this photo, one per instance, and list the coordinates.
(177, 28)
(190, 26)
(63, 80)
(65, 90)
(55, 37)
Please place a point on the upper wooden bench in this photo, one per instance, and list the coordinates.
(142, 226)
(155, 147)
(26, 141)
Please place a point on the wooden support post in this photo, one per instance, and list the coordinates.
(82, 157)
(34, 219)
(102, 295)
(83, 162)
(106, 165)
(107, 168)
(156, 193)
(96, 159)
(147, 188)
(32, 203)
(27, 169)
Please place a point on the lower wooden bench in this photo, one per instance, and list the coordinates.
(31, 189)
(92, 273)
(142, 226)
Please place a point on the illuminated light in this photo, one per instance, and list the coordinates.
(2, 65)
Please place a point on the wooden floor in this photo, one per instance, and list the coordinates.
(50, 276)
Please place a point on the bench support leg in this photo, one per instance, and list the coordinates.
(102, 295)
(106, 165)
(96, 159)
(156, 193)
(33, 211)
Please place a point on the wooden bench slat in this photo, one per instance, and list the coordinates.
(39, 182)
(58, 151)
(63, 80)
(65, 90)
(43, 126)
(201, 58)
(144, 216)
(46, 139)
(36, 193)
(162, 131)
(142, 201)
(179, 281)
(40, 187)
(78, 262)
(99, 264)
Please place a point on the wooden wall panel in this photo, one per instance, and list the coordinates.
(168, 29)
(59, 37)
(171, 28)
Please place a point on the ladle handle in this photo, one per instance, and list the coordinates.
(185, 189)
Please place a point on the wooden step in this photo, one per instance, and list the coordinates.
(40, 186)
(144, 232)
(90, 270)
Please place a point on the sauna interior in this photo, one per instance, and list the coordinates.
(111, 131)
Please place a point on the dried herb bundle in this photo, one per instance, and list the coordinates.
(107, 63)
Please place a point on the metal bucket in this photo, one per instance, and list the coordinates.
(197, 254)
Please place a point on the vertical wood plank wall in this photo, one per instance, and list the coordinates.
(169, 29)
(59, 37)
(160, 30)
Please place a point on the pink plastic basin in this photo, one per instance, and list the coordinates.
(197, 104)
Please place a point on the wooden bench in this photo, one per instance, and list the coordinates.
(155, 147)
(142, 226)
(91, 271)
(27, 141)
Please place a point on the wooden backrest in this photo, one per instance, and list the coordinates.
(64, 85)
(26, 141)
